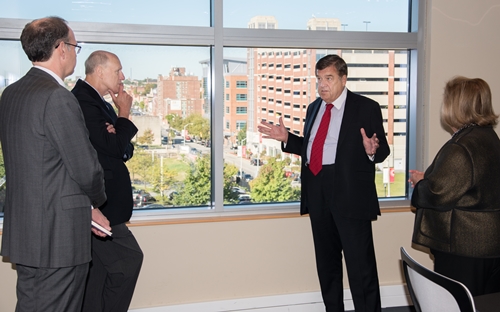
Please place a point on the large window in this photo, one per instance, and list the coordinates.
(319, 15)
(152, 12)
(200, 92)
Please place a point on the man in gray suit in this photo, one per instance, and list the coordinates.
(53, 175)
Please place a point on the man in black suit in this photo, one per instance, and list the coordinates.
(338, 183)
(116, 260)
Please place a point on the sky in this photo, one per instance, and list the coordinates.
(140, 62)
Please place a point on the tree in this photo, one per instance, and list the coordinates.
(242, 134)
(146, 138)
(148, 88)
(271, 184)
(159, 176)
(230, 171)
(197, 189)
(287, 161)
(139, 164)
(142, 105)
(199, 126)
(175, 121)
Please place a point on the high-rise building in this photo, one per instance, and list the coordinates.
(263, 22)
(321, 23)
(282, 82)
(179, 93)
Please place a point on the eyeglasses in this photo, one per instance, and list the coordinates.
(77, 47)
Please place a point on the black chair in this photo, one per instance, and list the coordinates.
(433, 292)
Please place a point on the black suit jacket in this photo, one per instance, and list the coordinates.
(355, 191)
(111, 149)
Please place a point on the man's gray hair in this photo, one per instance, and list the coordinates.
(96, 58)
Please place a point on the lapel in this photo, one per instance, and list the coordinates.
(97, 97)
(313, 112)
(347, 118)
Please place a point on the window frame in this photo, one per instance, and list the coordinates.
(217, 37)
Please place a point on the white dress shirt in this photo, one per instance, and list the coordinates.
(332, 138)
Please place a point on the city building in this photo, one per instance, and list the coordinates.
(284, 83)
(179, 93)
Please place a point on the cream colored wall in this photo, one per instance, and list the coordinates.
(198, 262)
(239, 259)
(462, 39)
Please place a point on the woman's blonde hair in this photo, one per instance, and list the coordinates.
(467, 101)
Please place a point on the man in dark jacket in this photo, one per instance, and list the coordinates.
(116, 260)
(343, 139)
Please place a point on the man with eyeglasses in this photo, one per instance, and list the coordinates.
(77, 47)
(53, 175)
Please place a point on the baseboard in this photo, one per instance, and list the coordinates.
(391, 296)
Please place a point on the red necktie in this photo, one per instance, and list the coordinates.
(316, 161)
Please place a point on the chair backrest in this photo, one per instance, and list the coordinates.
(433, 292)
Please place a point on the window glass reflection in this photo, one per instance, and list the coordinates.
(171, 166)
(152, 12)
(320, 15)
(262, 173)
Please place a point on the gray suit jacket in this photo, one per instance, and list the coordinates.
(53, 175)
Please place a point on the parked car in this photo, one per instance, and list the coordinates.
(238, 190)
(171, 193)
(256, 162)
(164, 140)
(143, 200)
(247, 177)
(151, 206)
(296, 182)
(137, 193)
(194, 151)
(244, 198)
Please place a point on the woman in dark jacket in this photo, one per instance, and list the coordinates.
(458, 197)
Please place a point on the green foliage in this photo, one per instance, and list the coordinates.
(397, 188)
(142, 105)
(271, 185)
(230, 171)
(175, 121)
(196, 124)
(287, 161)
(138, 164)
(197, 187)
(148, 88)
(146, 138)
(242, 134)
(159, 175)
(199, 126)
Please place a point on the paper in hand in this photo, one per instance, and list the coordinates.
(101, 228)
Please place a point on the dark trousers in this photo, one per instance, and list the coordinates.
(334, 234)
(116, 263)
(480, 275)
(48, 290)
